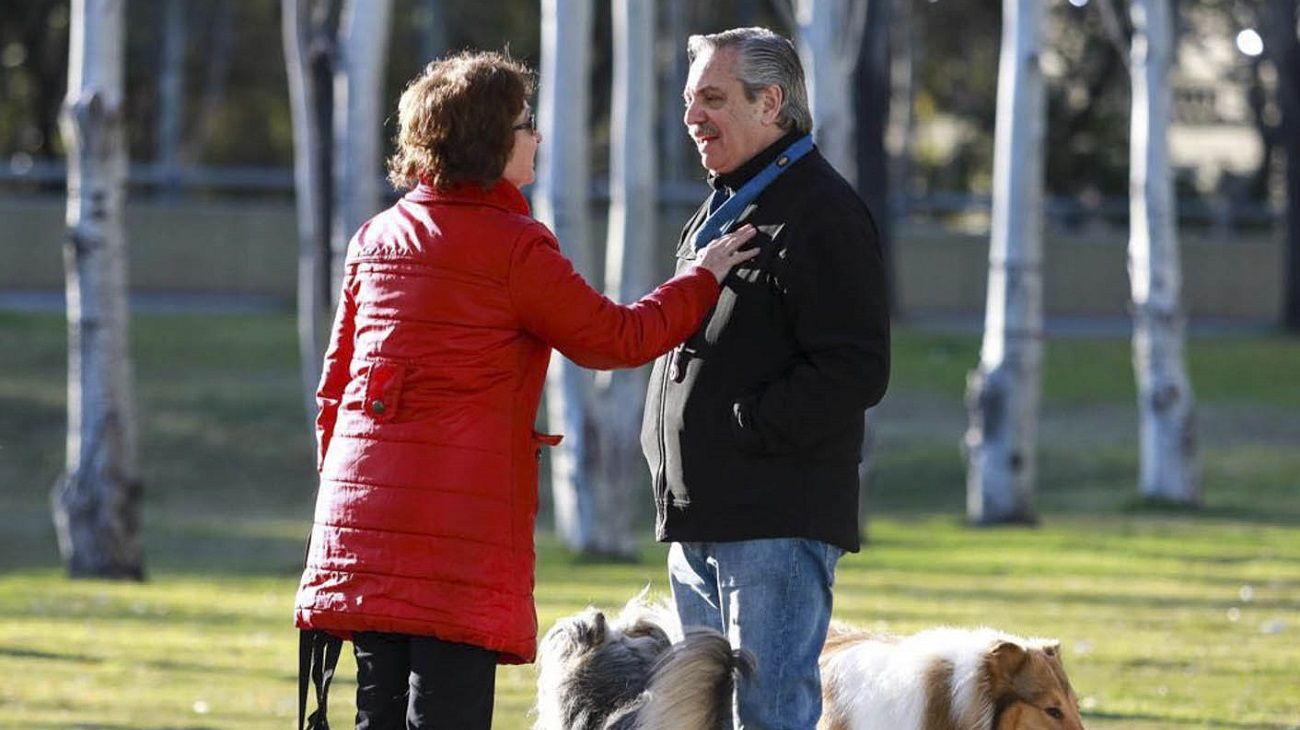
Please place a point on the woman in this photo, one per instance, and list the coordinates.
(422, 548)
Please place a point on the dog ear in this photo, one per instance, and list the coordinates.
(1006, 658)
(594, 630)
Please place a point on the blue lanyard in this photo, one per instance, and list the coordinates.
(722, 219)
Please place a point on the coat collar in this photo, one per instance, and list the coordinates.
(503, 195)
(735, 179)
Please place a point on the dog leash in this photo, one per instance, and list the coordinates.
(318, 656)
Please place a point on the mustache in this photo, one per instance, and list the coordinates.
(704, 130)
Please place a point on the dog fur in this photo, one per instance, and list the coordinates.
(944, 679)
(638, 672)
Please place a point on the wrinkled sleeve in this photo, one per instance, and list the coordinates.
(554, 303)
(836, 302)
(335, 370)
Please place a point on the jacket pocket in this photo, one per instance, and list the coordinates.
(383, 391)
(544, 439)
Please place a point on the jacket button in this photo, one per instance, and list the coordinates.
(674, 370)
(377, 406)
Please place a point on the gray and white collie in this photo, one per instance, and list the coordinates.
(637, 672)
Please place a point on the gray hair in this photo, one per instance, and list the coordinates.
(763, 59)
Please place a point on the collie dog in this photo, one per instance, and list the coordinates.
(944, 679)
(637, 672)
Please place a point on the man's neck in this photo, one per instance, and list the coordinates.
(751, 167)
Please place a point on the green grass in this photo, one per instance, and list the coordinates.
(1168, 618)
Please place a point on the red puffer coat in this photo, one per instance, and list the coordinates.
(428, 461)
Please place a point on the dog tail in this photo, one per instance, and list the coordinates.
(690, 686)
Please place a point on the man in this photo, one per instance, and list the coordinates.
(753, 427)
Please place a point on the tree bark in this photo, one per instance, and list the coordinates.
(431, 19)
(873, 93)
(308, 42)
(96, 503)
(218, 18)
(873, 82)
(620, 395)
(560, 200)
(828, 47)
(1167, 434)
(171, 98)
(1285, 54)
(1003, 393)
(672, 142)
(358, 124)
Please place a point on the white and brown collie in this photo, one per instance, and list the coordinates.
(637, 672)
(944, 679)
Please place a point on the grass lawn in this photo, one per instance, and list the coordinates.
(1168, 618)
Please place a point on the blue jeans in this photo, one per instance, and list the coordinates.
(773, 598)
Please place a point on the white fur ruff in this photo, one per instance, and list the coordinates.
(883, 684)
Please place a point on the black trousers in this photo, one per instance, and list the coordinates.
(421, 683)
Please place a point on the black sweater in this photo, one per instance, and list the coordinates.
(753, 427)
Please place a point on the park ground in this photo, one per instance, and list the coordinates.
(1168, 617)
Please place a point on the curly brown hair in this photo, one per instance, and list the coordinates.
(456, 119)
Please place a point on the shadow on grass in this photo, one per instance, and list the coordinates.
(927, 479)
(49, 656)
(1236, 512)
(1142, 717)
(1153, 605)
(236, 544)
(117, 726)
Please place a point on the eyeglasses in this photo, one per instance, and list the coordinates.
(529, 124)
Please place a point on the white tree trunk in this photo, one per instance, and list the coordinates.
(358, 123)
(310, 178)
(871, 105)
(1282, 45)
(431, 22)
(620, 395)
(218, 20)
(672, 44)
(171, 97)
(829, 34)
(96, 504)
(1003, 393)
(1165, 403)
(560, 200)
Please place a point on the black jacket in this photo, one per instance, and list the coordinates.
(753, 427)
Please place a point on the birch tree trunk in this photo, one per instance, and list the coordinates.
(308, 43)
(672, 143)
(358, 124)
(620, 395)
(1283, 47)
(871, 113)
(1002, 394)
(217, 18)
(431, 17)
(171, 97)
(1165, 403)
(560, 199)
(828, 41)
(96, 503)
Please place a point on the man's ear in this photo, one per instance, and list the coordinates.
(773, 99)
